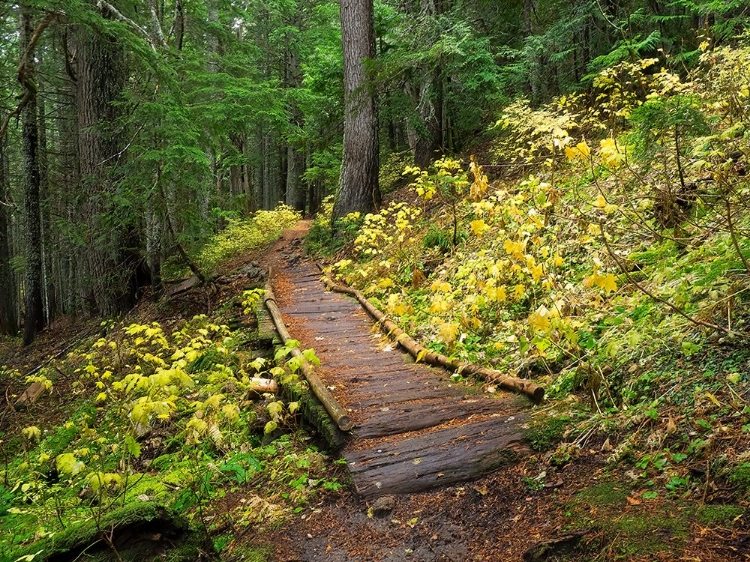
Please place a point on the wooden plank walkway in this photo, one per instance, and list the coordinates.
(414, 428)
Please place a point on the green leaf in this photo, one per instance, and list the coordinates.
(68, 464)
(132, 446)
(309, 355)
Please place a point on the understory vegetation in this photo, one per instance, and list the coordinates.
(175, 417)
(565, 199)
(609, 265)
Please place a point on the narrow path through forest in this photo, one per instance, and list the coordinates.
(414, 428)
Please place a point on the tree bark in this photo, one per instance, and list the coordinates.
(8, 294)
(358, 189)
(33, 304)
(295, 157)
(101, 77)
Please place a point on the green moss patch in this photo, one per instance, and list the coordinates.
(139, 531)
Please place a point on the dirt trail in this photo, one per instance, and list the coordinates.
(414, 430)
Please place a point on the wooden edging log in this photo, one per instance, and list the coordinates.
(421, 353)
(321, 392)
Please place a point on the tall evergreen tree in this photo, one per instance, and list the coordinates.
(100, 75)
(358, 190)
(33, 304)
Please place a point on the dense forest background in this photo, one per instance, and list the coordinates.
(131, 131)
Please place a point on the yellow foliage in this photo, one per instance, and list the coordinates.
(611, 156)
(385, 283)
(439, 306)
(440, 286)
(32, 433)
(540, 319)
(478, 227)
(607, 282)
(396, 305)
(536, 272)
(448, 332)
(481, 183)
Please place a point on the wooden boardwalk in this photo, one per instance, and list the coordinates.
(414, 428)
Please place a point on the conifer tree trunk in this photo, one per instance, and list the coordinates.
(358, 188)
(48, 286)
(100, 79)
(33, 307)
(8, 295)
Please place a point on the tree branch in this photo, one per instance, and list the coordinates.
(29, 86)
(119, 15)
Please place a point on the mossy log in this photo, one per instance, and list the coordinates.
(315, 414)
(421, 353)
(321, 392)
(135, 532)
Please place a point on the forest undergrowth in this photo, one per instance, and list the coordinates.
(607, 261)
(170, 423)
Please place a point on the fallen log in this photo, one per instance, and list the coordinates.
(259, 385)
(321, 392)
(421, 353)
(29, 396)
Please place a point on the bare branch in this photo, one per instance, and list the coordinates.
(119, 15)
(29, 86)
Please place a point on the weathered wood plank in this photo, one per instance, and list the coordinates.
(414, 429)
(413, 416)
(438, 458)
(402, 396)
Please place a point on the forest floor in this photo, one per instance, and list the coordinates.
(547, 506)
(540, 508)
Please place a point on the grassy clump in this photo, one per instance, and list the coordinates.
(242, 236)
(546, 431)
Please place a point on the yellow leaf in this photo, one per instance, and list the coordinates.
(558, 261)
(441, 286)
(439, 305)
(584, 149)
(607, 282)
(479, 226)
(539, 320)
(713, 399)
(611, 156)
(448, 332)
(514, 248)
(495, 293)
(518, 292)
(570, 153)
(600, 202)
(32, 433)
(385, 283)
(536, 272)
